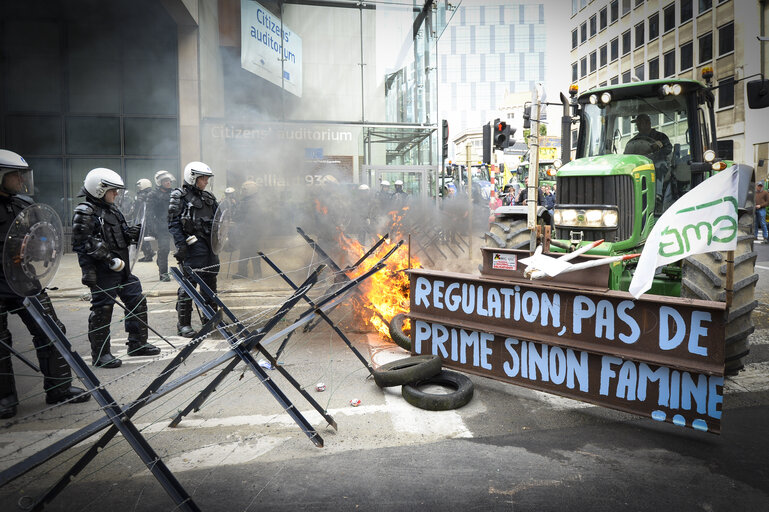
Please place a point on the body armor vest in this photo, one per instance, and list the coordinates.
(198, 213)
(113, 226)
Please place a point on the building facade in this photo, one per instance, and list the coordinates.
(619, 41)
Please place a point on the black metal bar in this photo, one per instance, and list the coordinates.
(91, 429)
(21, 357)
(243, 353)
(114, 412)
(205, 290)
(320, 251)
(129, 312)
(129, 412)
(369, 252)
(321, 314)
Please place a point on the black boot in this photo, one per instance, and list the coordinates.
(142, 348)
(8, 406)
(98, 336)
(72, 394)
(184, 312)
(165, 277)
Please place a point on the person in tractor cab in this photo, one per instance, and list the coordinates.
(657, 147)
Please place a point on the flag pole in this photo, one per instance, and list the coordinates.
(729, 288)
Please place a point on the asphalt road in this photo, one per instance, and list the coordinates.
(509, 449)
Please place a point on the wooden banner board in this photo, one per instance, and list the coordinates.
(661, 357)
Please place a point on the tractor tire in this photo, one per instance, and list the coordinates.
(508, 234)
(462, 394)
(400, 338)
(704, 277)
(409, 369)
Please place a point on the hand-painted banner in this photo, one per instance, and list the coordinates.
(681, 333)
(665, 394)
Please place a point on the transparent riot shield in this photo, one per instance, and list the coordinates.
(138, 217)
(32, 250)
(222, 229)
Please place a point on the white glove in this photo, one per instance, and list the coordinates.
(116, 264)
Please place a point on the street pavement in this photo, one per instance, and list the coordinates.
(509, 449)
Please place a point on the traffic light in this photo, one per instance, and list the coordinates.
(502, 134)
(527, 115)
(445, 139)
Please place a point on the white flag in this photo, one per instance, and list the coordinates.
(703, 220)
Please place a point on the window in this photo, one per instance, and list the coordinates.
(654, 26)
(669, 63)
(686, 11)
(639, 72)
(654, 68)
(602, 55)
(574, 72)
(726, 92)
(669, 18)
(574, 38)
(583, 32)
(726, 39)
(603, 18)
(574, 7)
(614, 80)
(626, 43)
(639, 3)
(614, 10)
(614, 49)
(687, 54)
(626, 77)
(593, 25)
(704, 5)
(639, 35)
(593, 61)
(583, 67)
(625, 7)
(706, 47)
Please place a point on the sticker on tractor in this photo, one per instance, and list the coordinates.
(504, 261)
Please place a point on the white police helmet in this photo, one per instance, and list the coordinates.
(385, 183)
(398, 183)
(143, 184)
(363, 187)
(163, 175)
(98, 181)
(11, 162)
(194, 169)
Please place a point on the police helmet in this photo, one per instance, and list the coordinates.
(98, 181)
(194, 169)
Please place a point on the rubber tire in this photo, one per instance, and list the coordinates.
(463, 393)
(396, 332)
(408, 369)
(508, 233)
(704, 277)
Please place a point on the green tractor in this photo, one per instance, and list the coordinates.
(640, 147)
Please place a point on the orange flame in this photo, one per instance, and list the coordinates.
(320, 208)
(386, 293)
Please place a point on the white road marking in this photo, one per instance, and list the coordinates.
(224, 454)
(762, 268)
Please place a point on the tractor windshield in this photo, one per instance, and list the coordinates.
(612, 128)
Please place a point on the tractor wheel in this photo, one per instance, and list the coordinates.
(509, 234)
(704, 277)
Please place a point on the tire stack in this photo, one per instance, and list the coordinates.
(415, 372)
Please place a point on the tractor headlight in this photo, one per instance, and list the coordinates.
(709, 155)
(606, 97)
(586, 217)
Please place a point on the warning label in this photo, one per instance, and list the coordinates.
(504, 261)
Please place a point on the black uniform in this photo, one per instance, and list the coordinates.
(57, 378)
(100, 233)
(191, 212)
(157, 224)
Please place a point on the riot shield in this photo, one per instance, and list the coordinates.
(138, 217)
(222, 229)
(32, 250)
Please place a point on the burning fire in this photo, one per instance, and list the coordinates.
(386, 293)
(320, 208)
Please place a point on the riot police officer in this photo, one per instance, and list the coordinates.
(100, 237)
(15, 180)
(157, 218)
(190, 219)
(143, 191)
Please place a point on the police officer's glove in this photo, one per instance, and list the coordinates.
(89, 278)
(133, 233)
(181, 253)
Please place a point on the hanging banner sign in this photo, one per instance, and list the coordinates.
(610, 349)
(270, 49)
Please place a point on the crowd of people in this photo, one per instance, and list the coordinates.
(101, 237)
